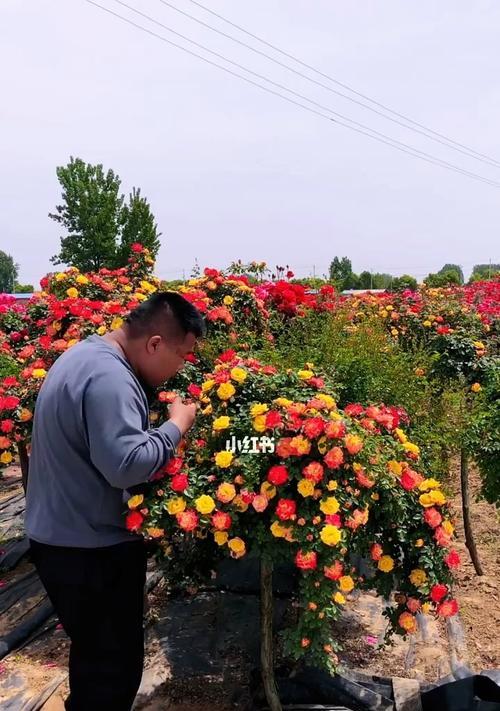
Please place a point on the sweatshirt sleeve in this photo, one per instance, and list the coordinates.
(120, 449)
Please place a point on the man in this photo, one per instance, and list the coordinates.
(91, 442)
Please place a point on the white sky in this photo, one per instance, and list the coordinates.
(232, 172)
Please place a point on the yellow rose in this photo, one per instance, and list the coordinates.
(223, 459)
(268, 490)
(139, 297)
(25, 415)
(400, 435)
(239, 375)
(6, 458)
(258, 409)
(327, 399)
(259, 423)
(127, 288)
(61, 276)
(175, 505)
(39, 373)
(332, 485)
(305, 487)
(225, 391)
(221, 537)
(278, 530)
(101, 330)
(221, 423)
(330, 535)
(427, 324)
(426, 608)
(346, 583)
(155, 532)
(329, 506)
(135, 501)
(282, 402)
(81, 279)
(149, 288)
(204, 504)
(305, 374)
(429, 484)
(475, 387)
(226, 492)
(117, 322)
(228, 300)
(72, 292)
(448, 527)
(339, 598)
(385, 564)
(237, 547)
(410, 447)
(437, 497)
(418, 577)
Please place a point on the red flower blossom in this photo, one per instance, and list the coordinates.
(134, 521)
(314, 472)
(376, 551)
(6, 426)
(438, 591)
(277, 475)
(354, 410)
(221, 521)
(335, 429)
(363, 479)
(194, 390)
(174, 465)
(432, 517)
(136, 247)
(448, 608)
(452, 560)
(334, 458)
(306, 561)
(273, 419)
(285, 509)
(441, 537)
(334, 520)
(313, 427)
(334, 571)
(187, 520)
(179, 483)
(410, 479)
(10, 402)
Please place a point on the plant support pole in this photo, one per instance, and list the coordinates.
(469, 537)
(266, 635)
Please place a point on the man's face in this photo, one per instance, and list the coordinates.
(160, 359)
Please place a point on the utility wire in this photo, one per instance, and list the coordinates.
(435, 135)
(357, 127)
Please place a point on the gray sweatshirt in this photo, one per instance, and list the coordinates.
(91, 441)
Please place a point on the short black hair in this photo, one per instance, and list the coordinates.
(165, 312)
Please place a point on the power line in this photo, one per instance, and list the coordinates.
(435, 135)
(361, 128)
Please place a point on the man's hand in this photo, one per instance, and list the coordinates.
(182, 414)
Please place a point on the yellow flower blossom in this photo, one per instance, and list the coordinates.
(239, 375)
(175, 505)
(221, 537)
(385, 564)
(204, 504)
(135, 501)
(346, 583)
(72, 292)
(258, 409)
(221, 423)
(225, 391)
(329, 506)
(305, 487)
(418, 577)
(330, 535)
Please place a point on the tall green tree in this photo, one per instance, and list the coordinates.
(484, 271)
(138, 225)
(8, 273)
(453, 268)
(99, 225)
(342, 275)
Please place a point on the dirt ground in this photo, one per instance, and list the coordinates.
(425, 657)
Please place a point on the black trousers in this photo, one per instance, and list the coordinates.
(98, 595)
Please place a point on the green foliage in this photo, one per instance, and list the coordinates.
(8, 273)
(453, 268)
(405, 281)
(8, 366)
(482, 437)
(100, 227)
(23, 288)
(341, 274)
(482, 272)
(446, 278)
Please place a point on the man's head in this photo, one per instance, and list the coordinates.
(159, 334)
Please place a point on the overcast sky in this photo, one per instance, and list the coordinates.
(234, 172)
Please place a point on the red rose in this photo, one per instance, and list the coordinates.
(174, 465)
(179, 483)
(136, 247)
(6, 426)
(438, 591)
(221, 521)
(353, 410)
(441, 537)
(432, 517)
(313, 427)
(448, 608)
(452, 560)
(10, 402)
(194, 390)
(134, 521)
(273, 419)
(306, 561)
(277, 475)
(364, 480)
(314, 472)
(334, 458)
(187, 520)
(334, 520)
(335, 429)
(335, 571)
(227, 356)
(376, 551)
(285, 509)
(410, 479)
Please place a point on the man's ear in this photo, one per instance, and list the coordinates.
(153, 343)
